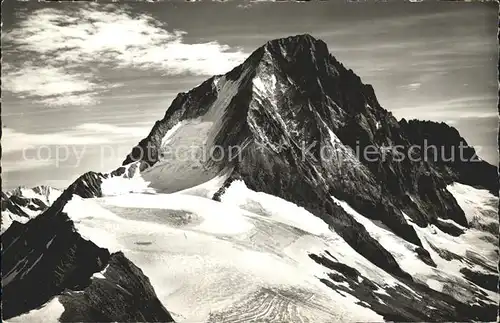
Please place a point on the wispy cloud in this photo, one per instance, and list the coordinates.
(114, 130)
(60, 51)
(454, 109)
(16, 141)
(83, 134)
(53, 85)
(12, 165)
(413, 86)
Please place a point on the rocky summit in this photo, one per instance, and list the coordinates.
(305, 200)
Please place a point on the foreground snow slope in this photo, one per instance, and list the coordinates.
(254, 256)
(209, 260)
(249, 256)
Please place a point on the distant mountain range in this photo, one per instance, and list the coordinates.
(305, 200)
(23, 204)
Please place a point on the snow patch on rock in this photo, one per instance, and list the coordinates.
(478, 204)
(130, 182)
(209, 188)
(447, 271)
(166, 139)
(268, 205)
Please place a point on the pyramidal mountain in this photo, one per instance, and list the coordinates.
(280, 192)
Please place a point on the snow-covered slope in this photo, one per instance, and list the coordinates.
(479, 205)
(23, 204)
(211, 260)
(49, 312)
(256, 256)
(452, 257)
(216, 261)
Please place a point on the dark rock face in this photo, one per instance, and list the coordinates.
(487, 281)
(88, 185)
(122, 294)
(449, 228)
(48, 253)
(425, 256)
(450, 154)
(398, 303)
(10, 205)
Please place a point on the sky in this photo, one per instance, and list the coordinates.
(82, 83)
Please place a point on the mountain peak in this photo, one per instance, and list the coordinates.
(294, 39)
(297, 47)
